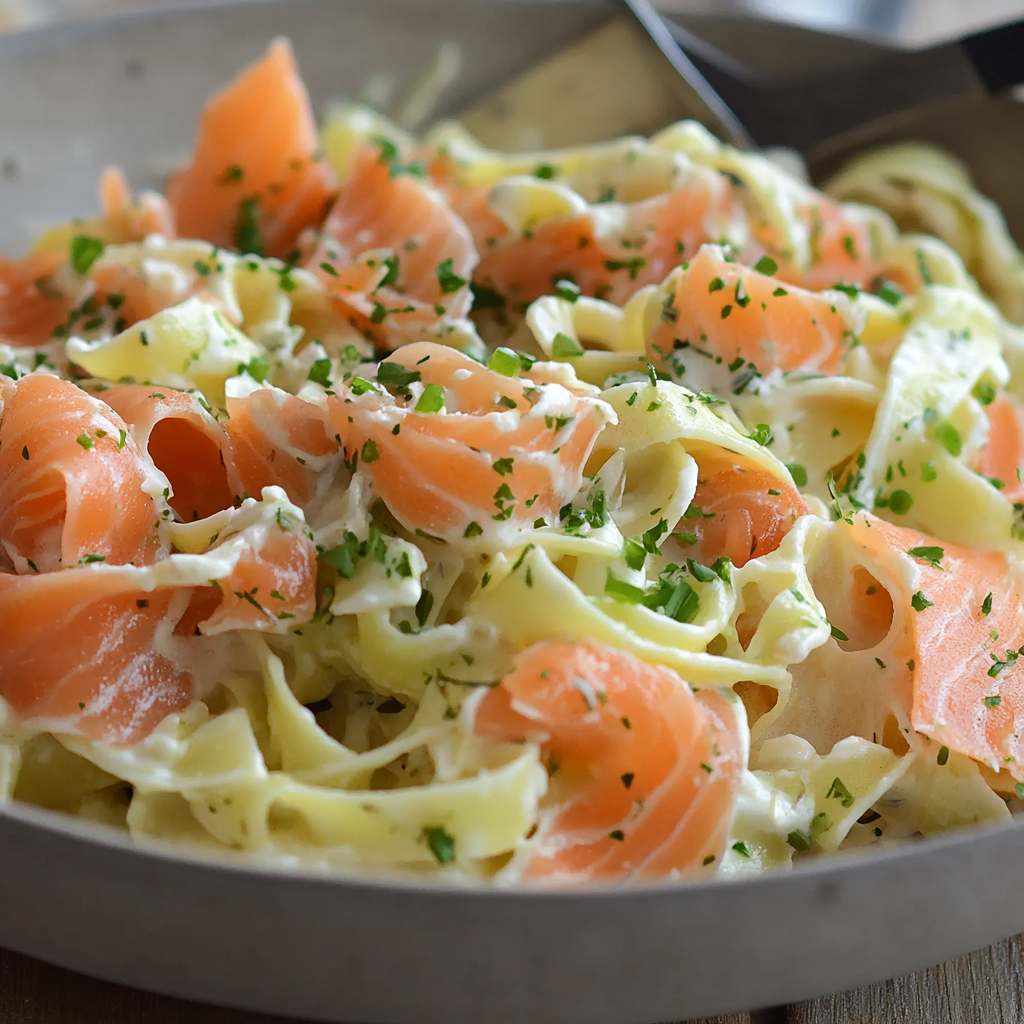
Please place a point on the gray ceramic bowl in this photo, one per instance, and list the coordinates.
(73, 99)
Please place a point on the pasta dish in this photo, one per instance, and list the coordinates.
(626, 512)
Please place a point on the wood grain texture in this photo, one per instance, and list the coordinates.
(986, 987)
(36, 993)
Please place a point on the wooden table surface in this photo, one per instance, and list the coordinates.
(986, 987)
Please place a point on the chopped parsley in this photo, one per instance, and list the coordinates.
(441, 844)
(949, 437)
(798, 473)
(564, 347)
(838, 791)
(320, 373)
(919, 602)
(505, 362)
(447, 278)
(85, 251)
(395, 375)
(247, 227)
(928, 553)
(799, 840)
(432, 400)
(256, 368)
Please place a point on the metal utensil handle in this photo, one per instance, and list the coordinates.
(662, 37)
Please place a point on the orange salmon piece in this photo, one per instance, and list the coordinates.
(725, 318)
(739, 511)
(430, 252)
(1002, 458)
(104, 677)
(841, 247)
(968, 692)
(272, 587)
(32, 307)
(185, 443)
(130, 219)
(503, 450)
(277, 438)
(71, 480)
(644, 773)
(658, 234)
(255, 180)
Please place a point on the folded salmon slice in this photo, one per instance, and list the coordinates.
(644, 773)
(72, 480)
(256, 179)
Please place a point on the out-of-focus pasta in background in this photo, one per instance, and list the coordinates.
(910, 22)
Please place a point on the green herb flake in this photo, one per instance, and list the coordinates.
(901, 502)
(256, 368)
(85, 251)
(431, 401)
(567, 290)
(247, 227)
(447, 278)
(505, 362)
(943, 756)
(919, 602)
(986, 605)
(395, 375)
(949, 437)
(85, 441)
(984, 392)
(440, 843)
(320, 373)
(838, 791)
(564, 347)
(928, 553)
(621, 590)
(766, 265)
(798, 473)
(799, 840)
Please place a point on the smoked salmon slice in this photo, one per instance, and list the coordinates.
(279, 439)
(1002, 458)
(185, 443)
(458, 450)
(105, 676)
(655, 236)
(967, 634)
(739, 511)
(32, 304)
(256, 179)
(726, 323)
(644, 773)
(271, 588)
(425, 253)
(841, 247)
(72, 480)
(131, 219)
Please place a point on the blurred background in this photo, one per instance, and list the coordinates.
(901, 22)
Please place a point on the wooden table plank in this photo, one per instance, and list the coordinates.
(986, 987)
(32, 992)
